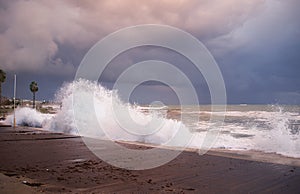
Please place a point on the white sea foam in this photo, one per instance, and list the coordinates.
(105, 117)
(29, 117)
(266, 131)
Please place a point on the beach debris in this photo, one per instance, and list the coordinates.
(10, 174)
(31, 184)
(78, 160)
(60, 178)
(189, 189)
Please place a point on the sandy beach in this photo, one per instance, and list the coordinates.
(34, 161)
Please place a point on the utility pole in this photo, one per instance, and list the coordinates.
(15, 88)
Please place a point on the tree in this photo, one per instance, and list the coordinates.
(2, 79)
(33, 88)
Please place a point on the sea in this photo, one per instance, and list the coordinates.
(269, 128)
(266, 128)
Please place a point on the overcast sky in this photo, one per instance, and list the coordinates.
(256, 44)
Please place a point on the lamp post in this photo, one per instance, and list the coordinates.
(15, 87)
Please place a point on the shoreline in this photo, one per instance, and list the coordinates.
(54, 162)
(251, 155)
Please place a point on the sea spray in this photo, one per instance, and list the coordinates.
(245, 128)
(280, 138)
(107, 112)
(29, 117)
(106, 104)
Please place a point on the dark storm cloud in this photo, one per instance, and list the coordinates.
(255, 42)
(263, 64)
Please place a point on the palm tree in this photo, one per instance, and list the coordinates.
(2, 79)
(33, 88)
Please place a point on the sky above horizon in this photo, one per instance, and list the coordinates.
(256, 44)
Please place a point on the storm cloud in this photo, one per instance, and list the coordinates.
(255, 42)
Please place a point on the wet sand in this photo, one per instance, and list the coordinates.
(40, 161)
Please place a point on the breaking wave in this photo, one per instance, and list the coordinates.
(267, 131)
(106, 104)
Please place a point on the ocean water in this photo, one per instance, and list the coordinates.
(266, 128)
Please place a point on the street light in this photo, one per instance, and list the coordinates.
(15, 87)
